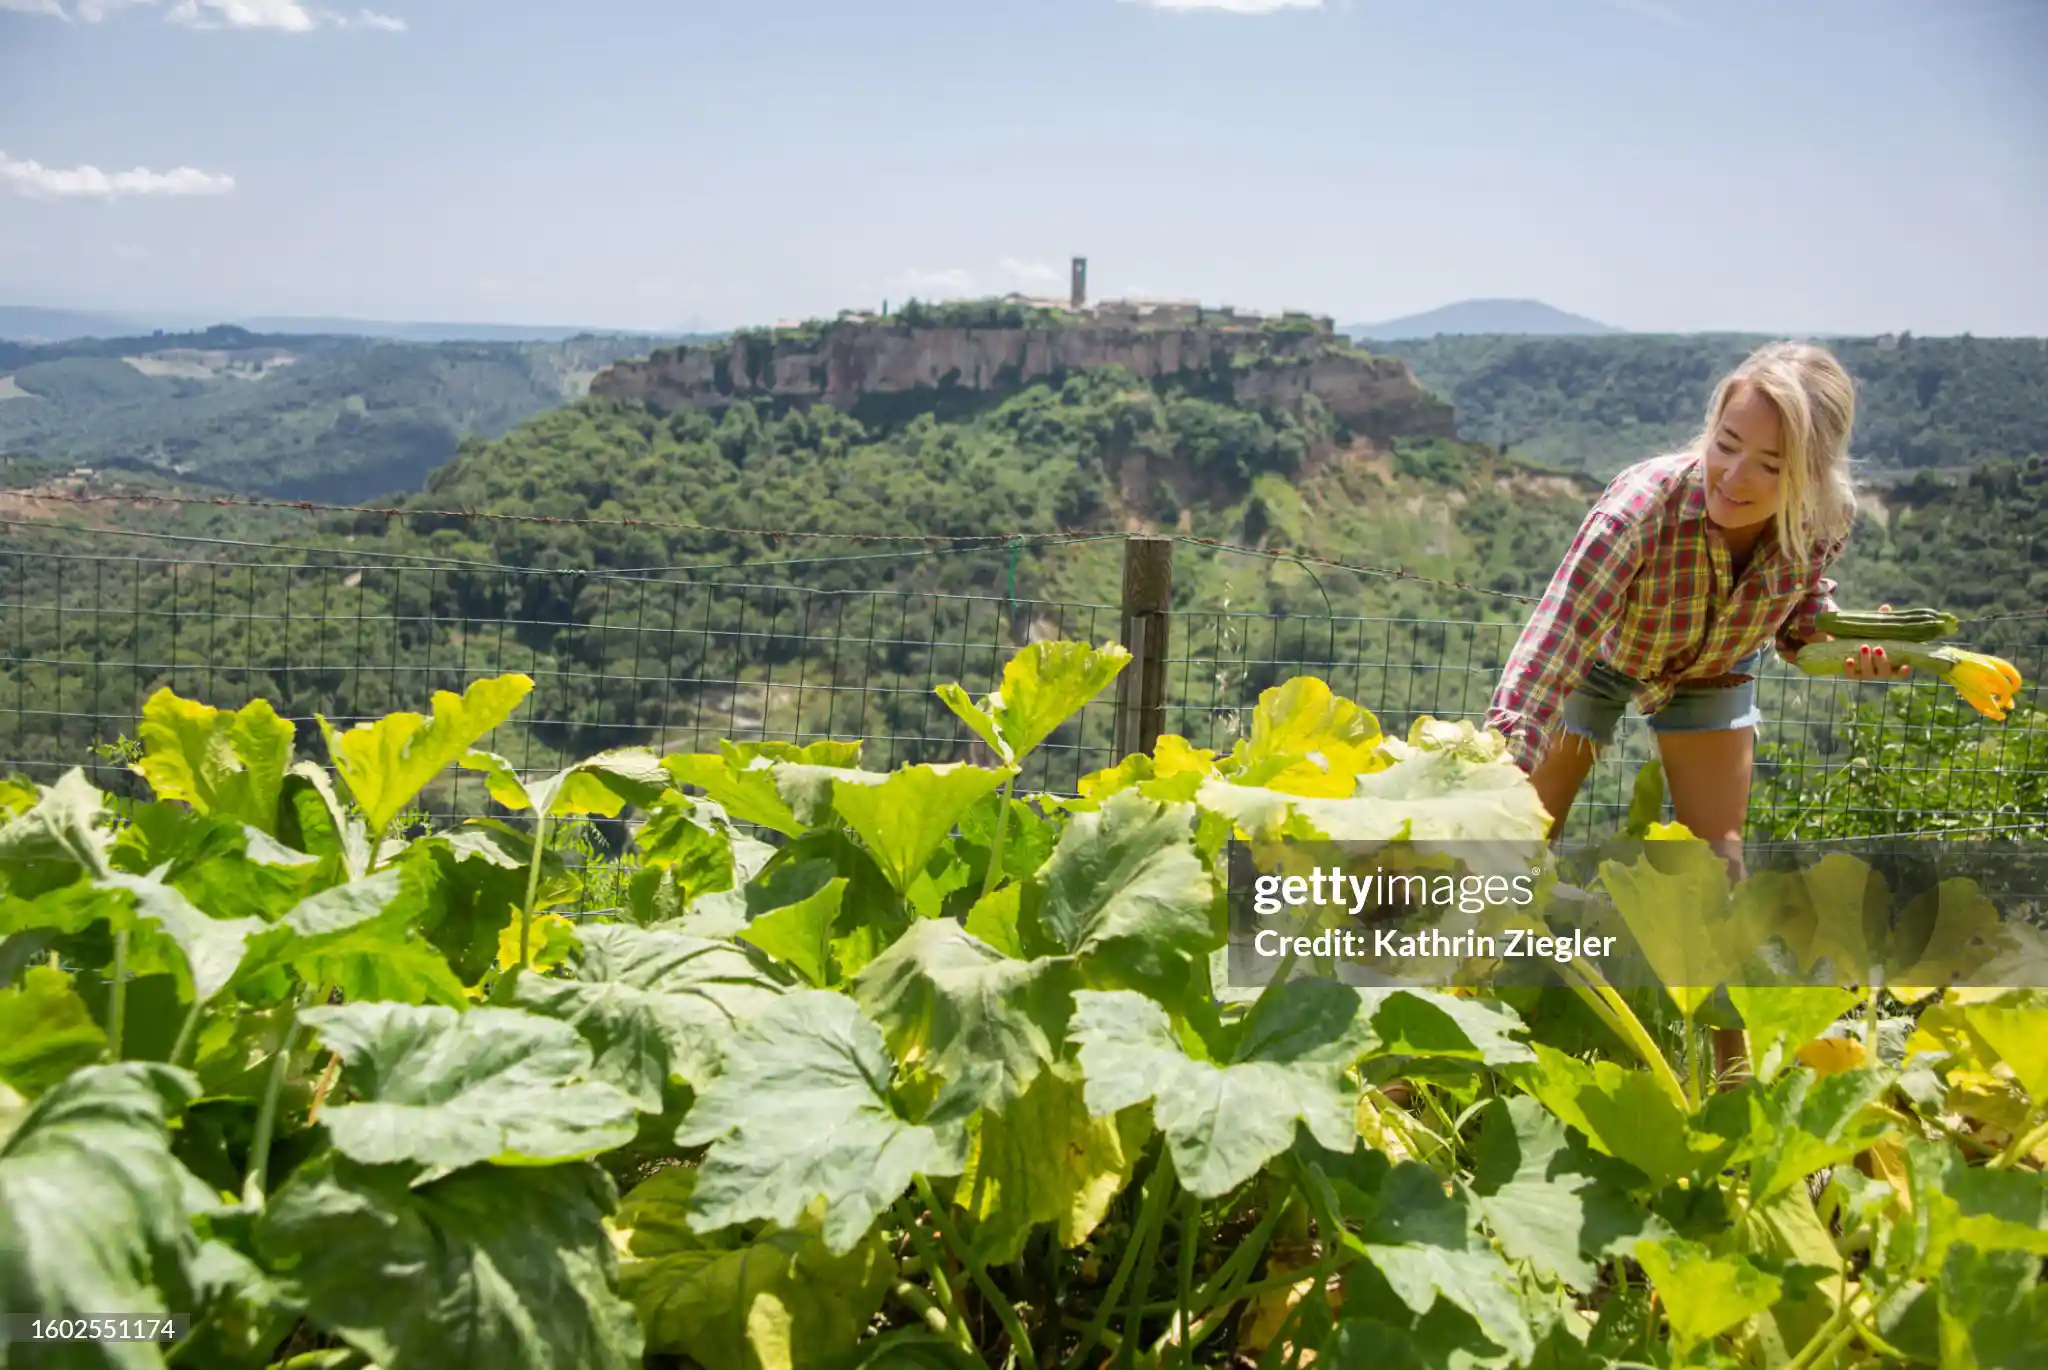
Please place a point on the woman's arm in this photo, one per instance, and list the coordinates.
(1798, 628)
(1583, 600)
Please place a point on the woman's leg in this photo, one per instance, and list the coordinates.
(1559, 775)
(1708, 774)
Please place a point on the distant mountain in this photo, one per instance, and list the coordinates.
(1513, 317)
(308, 416)
(33, 324)
(434, 332)
(30, 324)
(1599, 403)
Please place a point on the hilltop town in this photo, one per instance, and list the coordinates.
(1075, 309)
(1000, 345)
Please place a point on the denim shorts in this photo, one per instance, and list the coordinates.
(1595, 708)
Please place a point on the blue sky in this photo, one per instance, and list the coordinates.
(1817, 166)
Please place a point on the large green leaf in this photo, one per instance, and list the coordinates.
(803, 1112)
(1223, 1122)
(46, 1031)
(314, 819)
(694, 844)
(2015, 1025)
(1704, 1294)
(741, 777)
(1953, 1201)
(1411, 1022)
(56, 839)
(93, 1207)
(652, 1004)
(1943, 936)
(1043, 686)
(982, 1022)
(18, 794)
(471, 885)
(1800, 1123)
(868, 917)
(1834, 912)
(903, 817)
(800, 933)
(1623, 1112)
(1125, 891)
(1549, 1203)
(1674, 899)
(387, 763)
(362, 937)
(993, 919)
(1306, 740)
(219, 762)
(1994, 1310)
(1433, 796)
(1423, 1241)
(441, 1088)
(510, 1269)
(239, 1314)
(602, 784)
(224, 866)
(780, 1301)
(1782, 1018)
(167, 934)
(1046, 1159)
(204, 953)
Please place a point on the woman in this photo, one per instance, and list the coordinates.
(1688, 568)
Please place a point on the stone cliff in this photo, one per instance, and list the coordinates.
(842, 364)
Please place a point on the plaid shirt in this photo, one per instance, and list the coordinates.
(1647, 584)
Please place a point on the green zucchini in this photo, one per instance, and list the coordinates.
(1896, 625)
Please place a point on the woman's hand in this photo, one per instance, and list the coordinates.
(1870, 663)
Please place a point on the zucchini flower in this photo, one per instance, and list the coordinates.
(1988, 684)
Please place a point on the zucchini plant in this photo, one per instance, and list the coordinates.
(875, 1070)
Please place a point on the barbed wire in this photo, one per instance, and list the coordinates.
(562, 520)
(934, 541)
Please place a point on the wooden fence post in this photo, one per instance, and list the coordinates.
(1147, 631)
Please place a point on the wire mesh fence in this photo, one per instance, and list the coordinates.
(682, 663)
(1821, 743)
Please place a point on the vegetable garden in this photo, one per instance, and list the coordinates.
(874, 1070)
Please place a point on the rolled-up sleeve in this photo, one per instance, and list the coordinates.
(1799, 627)
(1584, 600)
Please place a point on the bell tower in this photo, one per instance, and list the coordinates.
(1080, 293)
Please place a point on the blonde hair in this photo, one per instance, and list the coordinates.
(1816, 404)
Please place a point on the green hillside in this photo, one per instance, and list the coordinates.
(327, 418)
(1599, 403)
(607, 571)
(1094, 458)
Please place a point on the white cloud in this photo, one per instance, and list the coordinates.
(1231, 6)
(949, 283)
(1032, 273)
(285, 16)
(40, 182)
(132, 252)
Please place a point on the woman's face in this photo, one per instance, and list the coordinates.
(1744, 466)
